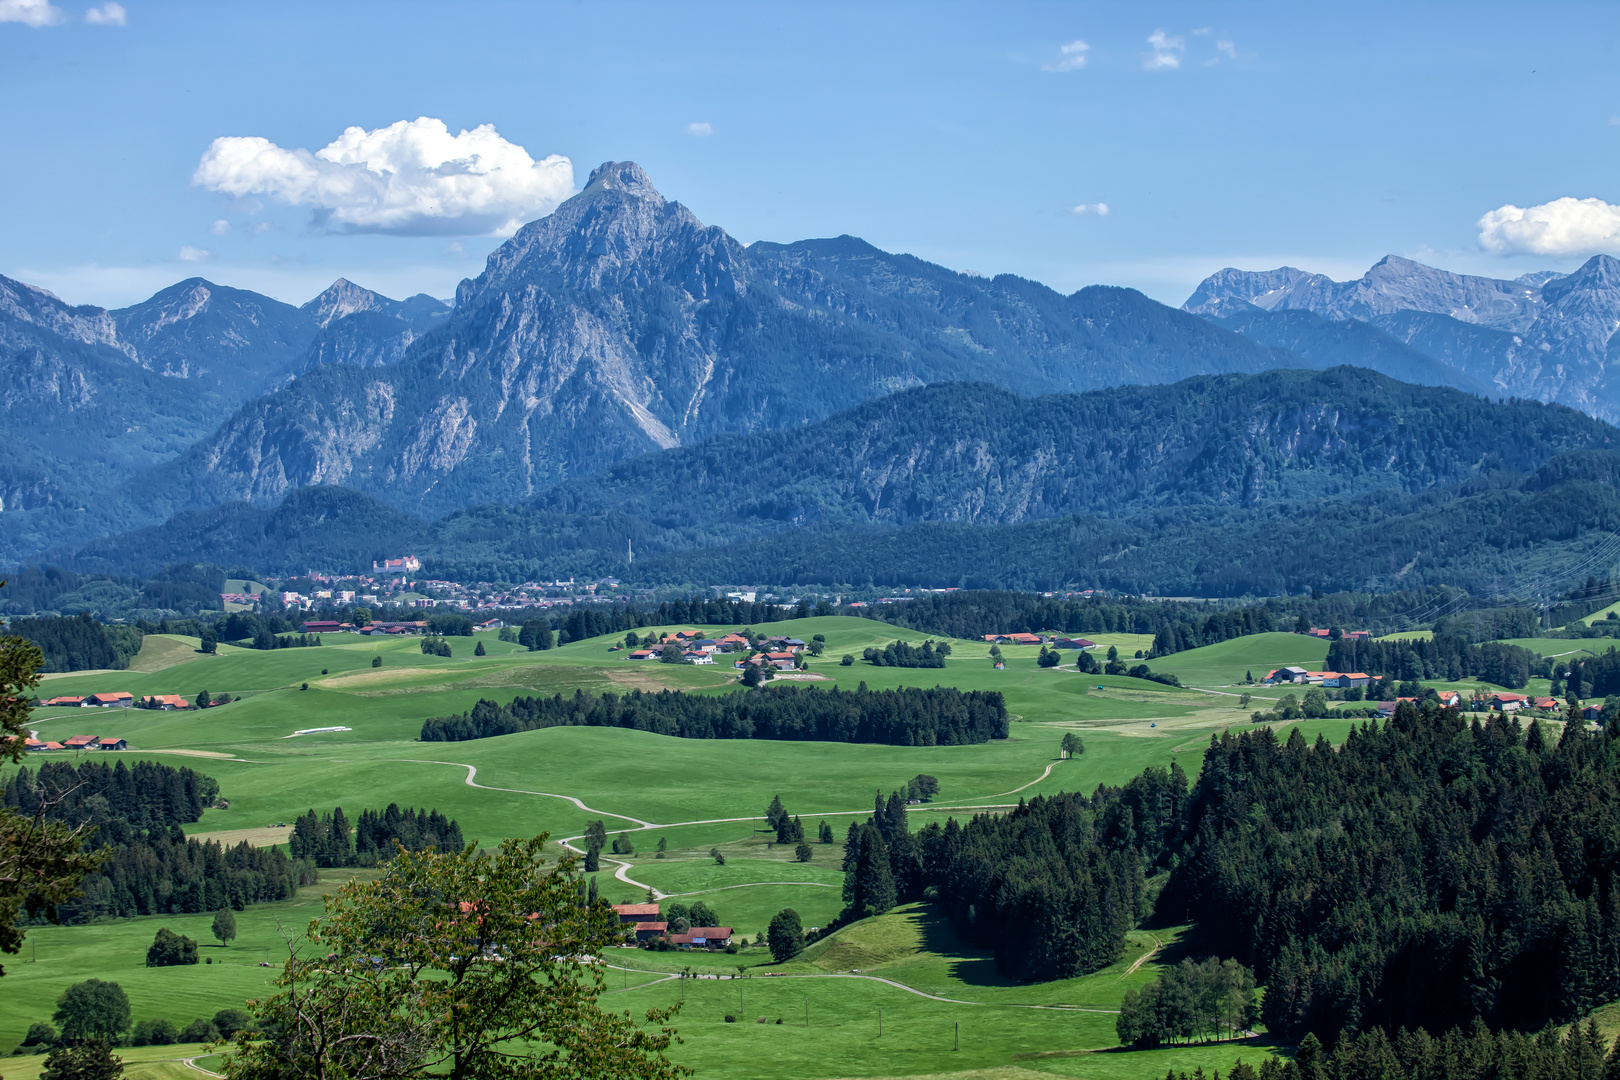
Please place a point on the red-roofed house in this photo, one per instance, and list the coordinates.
(634, 913)
(1450, 699)
(320, 626)
(646, 931)
(122, 699)
(82, 742)
(642, 654)
(1545, 703)
(1508, 702)
(166, 702)
(66, 702)
(702, 937)
(35, 745)
(113, 742)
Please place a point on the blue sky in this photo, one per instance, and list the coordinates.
(1250, 135)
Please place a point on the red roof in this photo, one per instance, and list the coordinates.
(654, 927)
(80, 741)
(1023, 639)
(121, 695)
(65, 701)
(636, 909)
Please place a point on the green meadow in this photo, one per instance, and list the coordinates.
(696, 796)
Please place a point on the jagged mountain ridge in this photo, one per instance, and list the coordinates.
(1545, 335)
(620, 324)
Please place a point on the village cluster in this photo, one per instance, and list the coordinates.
(781, 653)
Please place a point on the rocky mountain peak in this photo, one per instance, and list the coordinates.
(623, 176)
(344, 297)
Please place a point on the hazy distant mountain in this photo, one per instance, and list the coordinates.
(89, 397)
(1543, 335)
(367, 329)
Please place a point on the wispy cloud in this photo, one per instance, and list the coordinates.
(220, 227)
(1093, 209)
(700, 129)
(111, 13)
(1167, 52)
(1568, 227)
(411, 178)
(1071, 57)
(1227, 49)
(194, 254)
(34, 13)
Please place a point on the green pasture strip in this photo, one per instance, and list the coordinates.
(1225, 663)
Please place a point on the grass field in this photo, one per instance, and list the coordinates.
(692, 794)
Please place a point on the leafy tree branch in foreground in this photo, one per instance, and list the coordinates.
(459, 964)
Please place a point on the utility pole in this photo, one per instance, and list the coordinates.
(880, 1021)
(807, 1011)
(958, 1045)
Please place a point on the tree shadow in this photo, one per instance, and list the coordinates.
(972, 966)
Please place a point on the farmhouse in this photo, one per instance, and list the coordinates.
(323, 626)
(635, 913)
(82, 742)
(697, 656)
(1450, 699)
(66, 702)
(702, 937)
(642, 654)
(121, 699)
(1287, 674)
(165, 702)
(1593, 712)
(1074, 643)
(113, 742)
(1508, 702)
(646, 931)
(1544, 703)
(34, 746)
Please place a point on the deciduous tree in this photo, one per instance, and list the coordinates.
(491, 972)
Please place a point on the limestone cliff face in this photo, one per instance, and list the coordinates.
(621, 324)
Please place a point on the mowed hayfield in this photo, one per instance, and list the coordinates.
(694, 795)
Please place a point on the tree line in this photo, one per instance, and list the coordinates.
(910, 716)
(151, 867)
(79, 643)
(1444, 656)
(1429, 872)
(905, 654)
(329, 840)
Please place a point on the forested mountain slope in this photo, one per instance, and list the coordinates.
(974, 453)
(1264, 484)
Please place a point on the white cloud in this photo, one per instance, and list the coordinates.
(700, 129)
(1166, 54)
(220, 227)
(410, 178)
(31, 12)
(1071, 57)
(111, 13)
(194, 254)
(1614, 121)
(1562, 227)
(1093, 209)
(1226, 47)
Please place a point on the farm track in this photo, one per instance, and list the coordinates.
(872, 978)
(622, 872)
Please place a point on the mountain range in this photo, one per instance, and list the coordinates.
(619, 367)
(1546, 335)
(1232, 483)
